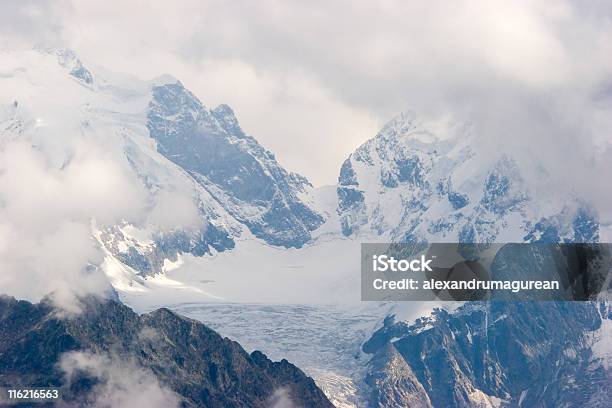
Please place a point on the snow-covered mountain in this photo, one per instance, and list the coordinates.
(436, 181)
(200, 180)
(430, 181)
(232, 166)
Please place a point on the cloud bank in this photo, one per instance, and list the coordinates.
(120, 383)
(46, 211)
(317, 79)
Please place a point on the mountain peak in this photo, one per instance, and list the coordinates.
(422, 128)
(429, 180)
(227, 117)
(400, 124)
(241, 174)
(69, 60)
(164, 79)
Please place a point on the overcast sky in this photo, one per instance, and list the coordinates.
(313, 80)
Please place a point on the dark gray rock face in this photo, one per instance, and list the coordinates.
(201, 367)
(393, 383)
(149, 259)
(70, 61)
(529, 354)
(239, 173)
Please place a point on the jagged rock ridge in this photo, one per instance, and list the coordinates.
(200, 366)
(244, 177)
(510, 353)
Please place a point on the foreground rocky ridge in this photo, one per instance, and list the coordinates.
(530, 354)
(191, 362)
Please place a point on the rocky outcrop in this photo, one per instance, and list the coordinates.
(188, 359)
(530, 354)
(238, 172)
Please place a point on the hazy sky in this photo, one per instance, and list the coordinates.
(313, 80)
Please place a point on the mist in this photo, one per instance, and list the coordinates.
(120, 382)
(319, 80)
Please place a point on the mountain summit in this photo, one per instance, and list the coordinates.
(434, 181)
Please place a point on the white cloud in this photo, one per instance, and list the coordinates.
(25, 21)
(121, 382)
(313, 80)
(46, 212)
(63, 170)
(281, 399)
(174, 210)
